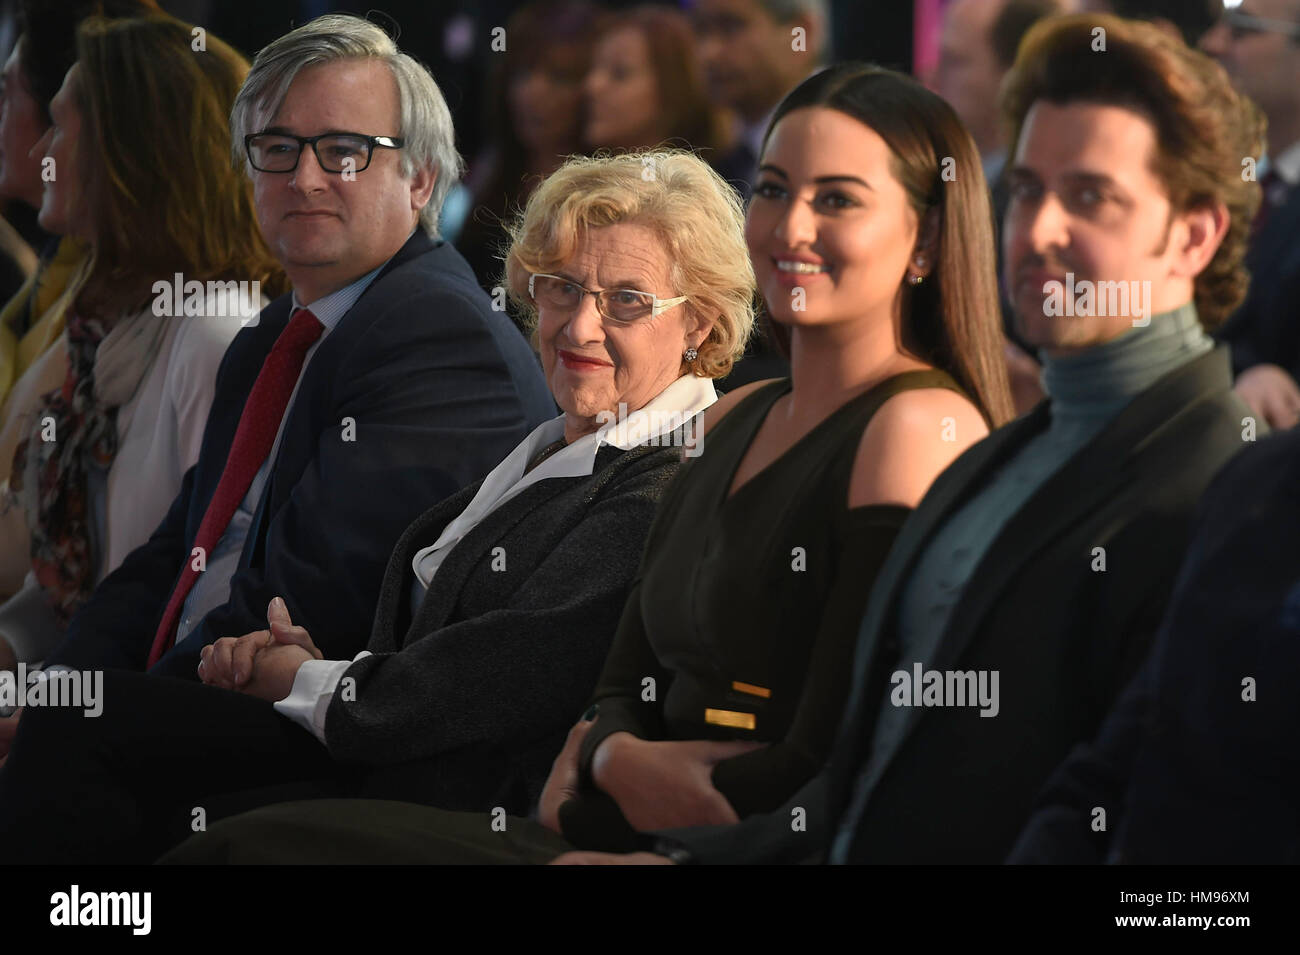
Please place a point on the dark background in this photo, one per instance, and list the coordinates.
(453, 37)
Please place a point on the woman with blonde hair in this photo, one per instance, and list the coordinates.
(729, 673)
(499, 603)
(140, 148)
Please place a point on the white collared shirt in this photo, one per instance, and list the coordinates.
(316, 680)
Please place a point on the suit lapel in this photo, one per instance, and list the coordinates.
(1097, 471)
(965, 474)
(299, 437)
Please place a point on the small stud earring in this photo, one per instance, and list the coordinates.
(691, 355)
(916, 279)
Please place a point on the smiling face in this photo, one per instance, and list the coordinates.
(593, 364)
(1085, 200)
(60, 198)
(828, 218)
(21, 127)
(623, 107)
(326, 230)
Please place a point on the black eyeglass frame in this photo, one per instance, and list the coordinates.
(386, 142)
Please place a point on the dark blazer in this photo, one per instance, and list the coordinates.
(467, 705)
(953, 786)
(1187, 769)
(439, 388)
(1262, 329)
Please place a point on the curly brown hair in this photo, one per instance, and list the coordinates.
(1205, 130)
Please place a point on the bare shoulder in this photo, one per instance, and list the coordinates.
(719, 408)
(911, 440)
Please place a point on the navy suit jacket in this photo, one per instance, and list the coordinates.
(420, 389)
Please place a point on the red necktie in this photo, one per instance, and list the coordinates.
(253, 439)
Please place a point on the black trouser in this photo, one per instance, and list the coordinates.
(125, 786)
(369, 832)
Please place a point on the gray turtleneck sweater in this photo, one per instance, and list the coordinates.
(1087, 390)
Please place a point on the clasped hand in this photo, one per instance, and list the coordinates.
(657, 784)
(262, 663)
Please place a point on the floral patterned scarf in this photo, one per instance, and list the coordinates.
(75, 430)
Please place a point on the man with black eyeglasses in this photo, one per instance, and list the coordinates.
(383, 383)
(1258, 43)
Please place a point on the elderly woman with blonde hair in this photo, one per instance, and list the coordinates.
(499, 604)
(724, 688)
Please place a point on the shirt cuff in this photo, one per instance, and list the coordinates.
(313, 688)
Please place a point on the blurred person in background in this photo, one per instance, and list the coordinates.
(753, 53)
(536, 118)
(1258, 43)
(645, 88)
(978, 44)
(129, 416)
(33, 359)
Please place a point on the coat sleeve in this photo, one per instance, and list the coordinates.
(1095, 774)
(797, 832)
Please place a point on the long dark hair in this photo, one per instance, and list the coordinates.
(952, 320)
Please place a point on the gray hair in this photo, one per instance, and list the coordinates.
(430, 139)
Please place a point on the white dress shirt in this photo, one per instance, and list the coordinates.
(316, 680)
